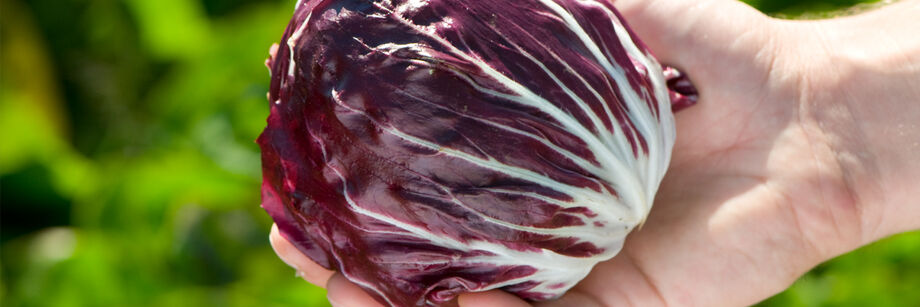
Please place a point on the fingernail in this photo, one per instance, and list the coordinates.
(300, 274)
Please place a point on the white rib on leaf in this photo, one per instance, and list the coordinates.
(665, 120)
(584, 197)
(618, 147)
(528, 98)
(578, 160)
(545, 259)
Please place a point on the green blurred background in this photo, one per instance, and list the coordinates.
(130, 177)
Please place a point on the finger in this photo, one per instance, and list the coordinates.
(679, 32)
(493, 298)
(343, 293)
(306, 268)
(272, 54)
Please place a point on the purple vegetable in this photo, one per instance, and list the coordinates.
(426, 148)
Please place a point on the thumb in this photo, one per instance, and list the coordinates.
(684, 33)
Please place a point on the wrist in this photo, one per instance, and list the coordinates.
(862, 89)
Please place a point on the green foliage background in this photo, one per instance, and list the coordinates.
(130, 177)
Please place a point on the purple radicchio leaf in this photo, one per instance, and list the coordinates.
(426, 148)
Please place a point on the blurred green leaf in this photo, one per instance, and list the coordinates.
(172, 28)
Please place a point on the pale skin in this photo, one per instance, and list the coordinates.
(805, 144)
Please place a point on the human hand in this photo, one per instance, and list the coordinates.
(764, 182)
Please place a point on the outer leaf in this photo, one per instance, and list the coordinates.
(426, 148)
